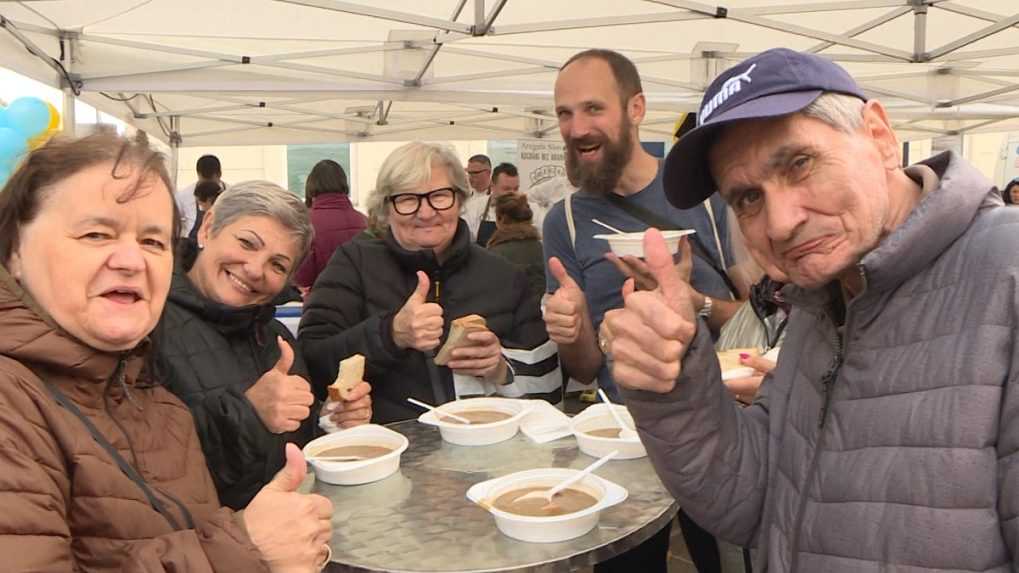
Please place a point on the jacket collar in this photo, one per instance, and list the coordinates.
(425, 259)
(953, 194)
(331, 201)
(517, 232)
(31, 337)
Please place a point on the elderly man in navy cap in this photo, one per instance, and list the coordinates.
(887, 437)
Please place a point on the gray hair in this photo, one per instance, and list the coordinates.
(408, 167)
(264, 199)
(840, 111)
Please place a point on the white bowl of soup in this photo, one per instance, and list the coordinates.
(597, 432)
(571, 515)
(493, 420)
(378, 448)
(624, 244)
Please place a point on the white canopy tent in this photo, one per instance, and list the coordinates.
(224, 72)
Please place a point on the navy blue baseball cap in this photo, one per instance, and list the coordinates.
(770, 84)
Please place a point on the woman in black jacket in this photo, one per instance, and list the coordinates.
(392, 299)
(220, 349)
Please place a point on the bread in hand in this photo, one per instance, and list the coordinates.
(729, 359)
(351, 374)
(458, 331)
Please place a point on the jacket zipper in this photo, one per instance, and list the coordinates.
(827, 382)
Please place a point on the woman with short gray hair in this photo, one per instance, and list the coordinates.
(392, 299)
(221, 351)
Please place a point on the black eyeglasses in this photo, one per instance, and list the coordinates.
(410, 203)
(478, 172)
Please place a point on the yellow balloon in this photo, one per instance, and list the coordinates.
(41, 139)
(54, 118)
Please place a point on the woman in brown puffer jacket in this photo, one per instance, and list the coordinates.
(100, 468)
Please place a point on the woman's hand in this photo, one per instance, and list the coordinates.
(745, 389)
(291, 530)
(281, 400)
(418, 325)
(354, 411)
(482, 357)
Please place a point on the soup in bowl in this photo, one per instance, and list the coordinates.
(493, 420)
(362, 454)
(597, 433)
(577, 513)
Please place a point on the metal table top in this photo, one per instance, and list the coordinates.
(419, 519)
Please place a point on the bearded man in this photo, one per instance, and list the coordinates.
(600, 104)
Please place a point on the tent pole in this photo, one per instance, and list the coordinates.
(919, 30)
(175, 140)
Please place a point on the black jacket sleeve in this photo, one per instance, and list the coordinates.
(336, 324)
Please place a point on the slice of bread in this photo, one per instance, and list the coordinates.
(729, 359)
(351, 374)
(458, 331)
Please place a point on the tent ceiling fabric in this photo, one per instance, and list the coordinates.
(307, 71)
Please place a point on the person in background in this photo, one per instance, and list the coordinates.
(332, 215)
(516, 239)
(392, 299)
(886, 438)
(479, 176)
(208, 169)
(505, 179)
(100, 466)
(1011, 192)
(205, 195)
(220, 350)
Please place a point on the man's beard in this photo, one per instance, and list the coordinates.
(602, 177)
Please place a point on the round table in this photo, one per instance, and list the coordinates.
(419, 519)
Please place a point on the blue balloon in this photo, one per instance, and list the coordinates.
(3, 117)
(13, 146)
(29, 115)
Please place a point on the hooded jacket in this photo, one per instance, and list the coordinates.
(209, 354)
(889, 443)
(66, 503)
(367, 282)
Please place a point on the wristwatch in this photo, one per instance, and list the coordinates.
(705, 310)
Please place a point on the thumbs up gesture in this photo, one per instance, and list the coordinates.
(290, 530)
(418, 324)
(281, 400)
(566, 309)
(649, 336)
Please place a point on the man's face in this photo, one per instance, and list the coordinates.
(811, 200)
(597, 128)
(504, 184)
(479, 175)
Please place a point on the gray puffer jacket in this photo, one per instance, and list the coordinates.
(901, 455)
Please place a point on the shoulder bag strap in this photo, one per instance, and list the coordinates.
(105, 444)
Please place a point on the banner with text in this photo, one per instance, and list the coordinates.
(540, 160)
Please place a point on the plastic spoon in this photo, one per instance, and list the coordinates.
(625, 433)
(438, 412)
(549, 493)
(609, 227)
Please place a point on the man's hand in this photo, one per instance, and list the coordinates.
(482, 357)
(281, 400)
(566, 309)
(418, 325)
(649, 336)
(290, 530)
(354, 411)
